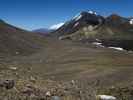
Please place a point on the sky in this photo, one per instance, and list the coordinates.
(34, 14)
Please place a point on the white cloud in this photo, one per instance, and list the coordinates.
(54, 27)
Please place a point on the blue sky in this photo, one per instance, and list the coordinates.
(33, 14)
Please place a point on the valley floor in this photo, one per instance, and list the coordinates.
(67, 70)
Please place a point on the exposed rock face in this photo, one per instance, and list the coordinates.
(82, 20)
(89, 26)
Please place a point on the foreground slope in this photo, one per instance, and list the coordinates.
(67, 66)
(17, 41)
(65, 69)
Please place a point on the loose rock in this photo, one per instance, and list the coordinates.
(8, 84)
(48, 94)
(56, 98)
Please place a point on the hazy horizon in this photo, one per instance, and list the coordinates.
(34, 14)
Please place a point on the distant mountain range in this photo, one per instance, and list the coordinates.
(94, 21)
(113, 30)
(43, 30)
(48, 30)
(88, 26)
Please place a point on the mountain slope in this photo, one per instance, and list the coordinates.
(65, 69)
(44, 31)
(15, 41)
(80, 21)
(113, 30)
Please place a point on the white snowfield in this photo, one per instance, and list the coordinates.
(79, 17)
(56, 26)
(98, 44)
(76, 16)
(92, 12)
(106, 97)
(116, 48)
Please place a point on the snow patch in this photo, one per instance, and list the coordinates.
(95, 13)
(76, 16)
(79, 17)
(57, 26)
(98, 44)
(76, 24)
(106, 97)
(92, 12)
(116, 48)
(131, 21)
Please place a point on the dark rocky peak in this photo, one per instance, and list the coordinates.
(89, 18)
(116, 20)
(2, 21)
(114, 16)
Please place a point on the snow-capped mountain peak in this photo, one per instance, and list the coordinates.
(80, 15)
(56, 26)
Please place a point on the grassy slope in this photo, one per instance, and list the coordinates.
(65, 61)
(14, 40)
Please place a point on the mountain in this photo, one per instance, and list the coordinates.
(56, 26)
(33, 67)
(1, 21)
(15, 41)
(113, 30)
(79, 21)
(44, 31)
